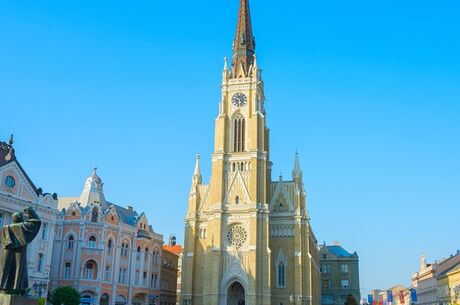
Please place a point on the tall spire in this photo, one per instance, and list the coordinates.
(296, 172)
(244, 44)
(197, 171)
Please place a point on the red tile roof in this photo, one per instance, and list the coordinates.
(176, 249)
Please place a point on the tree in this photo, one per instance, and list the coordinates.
(351, 300)
(65, 296)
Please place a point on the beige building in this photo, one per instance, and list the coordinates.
(109, 253)
(425, 281)
(248, 239)
(16, 192)
(339, 275)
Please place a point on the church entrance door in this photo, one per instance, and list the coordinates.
(236, 294)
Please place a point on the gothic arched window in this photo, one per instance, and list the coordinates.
(109, 245)
(239, 126)
(237, 200)
(281, 275)
(70, 243)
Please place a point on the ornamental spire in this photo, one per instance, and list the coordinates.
(244, 44)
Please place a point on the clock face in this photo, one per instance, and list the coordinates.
(239, 99)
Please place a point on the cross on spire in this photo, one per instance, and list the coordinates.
(244, 44)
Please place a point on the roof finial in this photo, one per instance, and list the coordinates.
(225, 63)
(11, 142)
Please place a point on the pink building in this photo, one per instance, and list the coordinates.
(109, 253)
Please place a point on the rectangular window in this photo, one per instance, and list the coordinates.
(44, 231)
(344, 268)
(136, 279)
(120, 276)
(144, 279)
(107, 273)
(325, 268)
(345, 284)
(155, 279)
(67, 270)
(326, 284)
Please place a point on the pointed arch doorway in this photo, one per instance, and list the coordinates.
(236, 294)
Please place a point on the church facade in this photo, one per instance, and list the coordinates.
(248, 239)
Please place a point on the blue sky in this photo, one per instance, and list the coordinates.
(367, 91)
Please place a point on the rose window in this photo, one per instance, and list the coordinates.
(236, 236)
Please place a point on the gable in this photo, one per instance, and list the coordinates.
(14, 181)
(237, 191)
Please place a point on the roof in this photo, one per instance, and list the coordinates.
(339, 251)
(176, 249)
(448, 265)
(7, 156)
(128, 216)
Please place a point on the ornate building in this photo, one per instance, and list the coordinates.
(16, 192)
(109, 253)
(248, 239)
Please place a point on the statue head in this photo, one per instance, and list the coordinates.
(18, 217)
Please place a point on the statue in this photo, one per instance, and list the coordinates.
(15, 238)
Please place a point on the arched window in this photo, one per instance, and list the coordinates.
(109, 245)
(90, 271)
(92, 242)
(138, 255)
(40, 262)
(237, 200)
(281, 275)
(146, 253)
(239, 126)
(70, 243)
(74, 214)
(94, 215)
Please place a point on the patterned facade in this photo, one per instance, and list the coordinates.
(16, 192)
(109, 253)
(339, 275)
(248, 239)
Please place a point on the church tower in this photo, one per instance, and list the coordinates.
(227, 255)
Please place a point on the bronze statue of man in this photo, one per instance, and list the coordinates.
(15, 238)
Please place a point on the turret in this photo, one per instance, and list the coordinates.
(93, 190)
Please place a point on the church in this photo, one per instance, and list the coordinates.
(248, 239)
